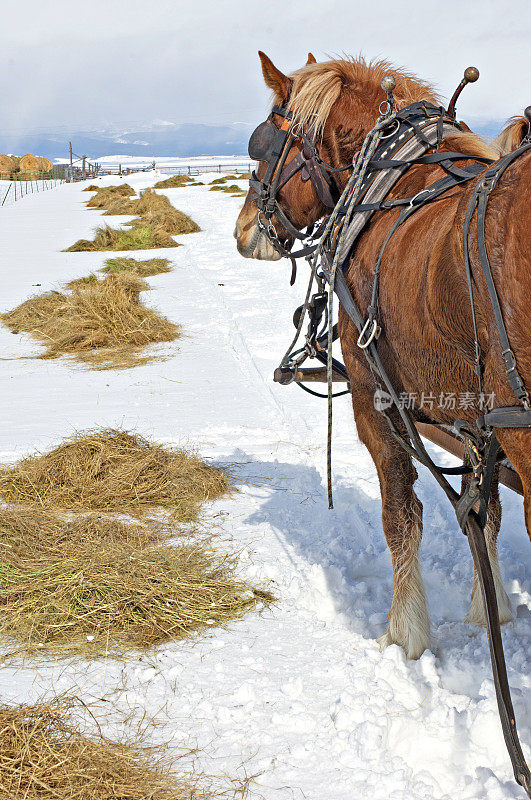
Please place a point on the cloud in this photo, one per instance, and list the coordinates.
(112, 61)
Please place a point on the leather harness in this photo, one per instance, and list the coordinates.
(407, 128)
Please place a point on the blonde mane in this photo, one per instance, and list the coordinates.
(511, 136)
(316, 87)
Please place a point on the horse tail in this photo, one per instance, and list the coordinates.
(511, 136)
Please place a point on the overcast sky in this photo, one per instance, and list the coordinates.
(105, 62)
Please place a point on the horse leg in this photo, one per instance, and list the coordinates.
(476, 614)
(402, 523)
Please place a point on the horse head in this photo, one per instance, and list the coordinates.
(289, 190)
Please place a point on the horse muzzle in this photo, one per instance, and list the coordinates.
(257, 245)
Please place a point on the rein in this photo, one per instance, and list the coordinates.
(407, 136)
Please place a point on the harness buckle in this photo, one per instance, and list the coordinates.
(422, 191)
(510, 360)
(374, 333)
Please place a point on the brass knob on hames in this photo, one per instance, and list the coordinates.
(388, 83)
(471, 74)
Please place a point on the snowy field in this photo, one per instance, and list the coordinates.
(299, 695)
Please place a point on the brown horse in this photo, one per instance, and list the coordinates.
(427, 344)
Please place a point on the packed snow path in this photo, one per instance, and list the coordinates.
(299, 695)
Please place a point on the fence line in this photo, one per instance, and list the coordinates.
(175, 169)
(17, 189)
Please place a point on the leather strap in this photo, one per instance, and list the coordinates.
(479, 201)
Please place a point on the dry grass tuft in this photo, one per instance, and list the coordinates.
(45, 756)
(175, 182)
(97, 586)
(152, 266)
(102, 322)
(106, 194)
(139, 237)
(114, 472)
(84, 281)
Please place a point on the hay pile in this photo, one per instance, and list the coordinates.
(155, 210)
(45, 756)
(114, 471)
(148, 202)
(175, 182)
(105, 195)
(168, 220)
(91, 188)
(101, 322)
(139, 237)
(97, 586)
(151, 266)
(233, 190)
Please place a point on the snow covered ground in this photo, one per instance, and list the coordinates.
(298, 695)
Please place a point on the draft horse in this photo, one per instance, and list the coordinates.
(430, 339)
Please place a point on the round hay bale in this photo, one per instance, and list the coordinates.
(47, 164)
(16, 163)
(30, 163)
(6, 164)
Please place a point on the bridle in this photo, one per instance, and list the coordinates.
(272, 144)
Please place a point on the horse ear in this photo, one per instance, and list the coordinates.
(274, 78)
(311, 59)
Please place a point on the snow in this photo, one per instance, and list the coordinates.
(297, 695)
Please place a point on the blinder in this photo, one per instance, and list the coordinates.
(266, 143)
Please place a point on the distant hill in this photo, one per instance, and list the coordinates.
(160, 139)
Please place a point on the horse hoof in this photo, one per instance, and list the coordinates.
(476, 614)
(412, 649)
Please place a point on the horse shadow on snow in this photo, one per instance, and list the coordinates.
(347, 547)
